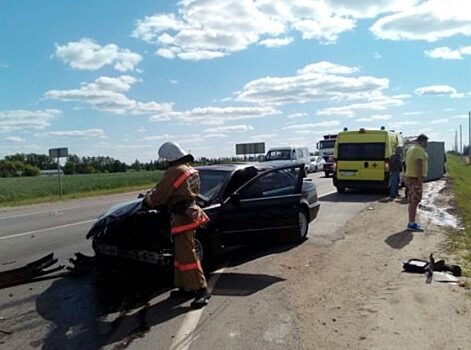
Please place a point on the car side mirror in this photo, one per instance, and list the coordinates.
(234, 198)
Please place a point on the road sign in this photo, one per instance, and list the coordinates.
(58, 152)
(250, 148)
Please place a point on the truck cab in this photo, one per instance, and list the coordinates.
(326, 151)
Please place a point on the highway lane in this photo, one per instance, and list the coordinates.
(248, 308)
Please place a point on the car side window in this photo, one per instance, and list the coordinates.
(275, 183)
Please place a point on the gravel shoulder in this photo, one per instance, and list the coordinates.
(353, 293)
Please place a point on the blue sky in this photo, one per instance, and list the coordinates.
(120, 78)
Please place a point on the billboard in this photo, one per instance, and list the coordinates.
(58, 152)
(250, 148)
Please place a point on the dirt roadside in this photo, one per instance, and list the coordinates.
(353, 294)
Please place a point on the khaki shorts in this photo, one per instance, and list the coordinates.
(414, 189)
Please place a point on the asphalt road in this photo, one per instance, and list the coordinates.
(248, 308)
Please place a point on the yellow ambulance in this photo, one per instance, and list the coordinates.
(362, 158)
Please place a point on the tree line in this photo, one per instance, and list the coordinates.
(31, 164)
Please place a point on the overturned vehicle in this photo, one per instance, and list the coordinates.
(246, 203)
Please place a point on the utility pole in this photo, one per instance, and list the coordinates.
(469, 134)
(461, 140)
(456, 141)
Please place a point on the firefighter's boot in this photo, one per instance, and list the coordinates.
(201, 299)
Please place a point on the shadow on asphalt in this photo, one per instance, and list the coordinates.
(354, 196)
(97, 310)
(93, 311)
(243, 284)
(399, 240)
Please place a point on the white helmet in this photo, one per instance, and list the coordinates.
(171, 151)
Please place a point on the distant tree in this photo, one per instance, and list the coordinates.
(10, 168)
(41, 161)
(137, 166)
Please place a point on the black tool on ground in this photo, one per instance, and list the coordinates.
(430, 268)
(30, 272)
(423, 266)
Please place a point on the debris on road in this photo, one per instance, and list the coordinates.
(29, 272)
(5, 331)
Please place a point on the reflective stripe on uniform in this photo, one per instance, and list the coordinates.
(187, 267)
(183, 177)
(188, 227)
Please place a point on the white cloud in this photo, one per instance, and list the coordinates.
(276, 42)
(460, 116)
(207, 29)
(322, 81)
(107, 94)
(87, 133)
(369, 8)
(296, 115)
(86, 54)
(430, 20)
(216, 115)
(376, 102)
(21, 119)
(327, 124)
(400, 124)
(439, 121)
(229, 128)
(413, 113)
(438, 90)
(448, 54)
(15, 139)
(374, 118)
(157, 137)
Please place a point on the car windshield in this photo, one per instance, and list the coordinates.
(212, 181)
(327, 144)
(279, 155)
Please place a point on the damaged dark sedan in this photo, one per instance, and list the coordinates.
(245, 203)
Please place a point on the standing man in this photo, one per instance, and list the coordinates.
(178, 190)
(395, 172)
(416, 170)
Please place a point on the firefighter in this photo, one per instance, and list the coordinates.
(178, 189)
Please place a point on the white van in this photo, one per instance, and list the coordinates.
(289, 153)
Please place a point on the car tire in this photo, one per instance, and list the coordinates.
(204, 253)
(303, 225)
(326, 174)
(340, 189)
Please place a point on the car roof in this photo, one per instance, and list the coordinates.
(260, 166)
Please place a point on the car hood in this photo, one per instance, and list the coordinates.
(116, 212)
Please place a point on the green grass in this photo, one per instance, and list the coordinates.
(28, 190)
(460, 243)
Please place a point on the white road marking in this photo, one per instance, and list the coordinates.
(46, 229)
(326, 194)
(53, 210)
(185, 336)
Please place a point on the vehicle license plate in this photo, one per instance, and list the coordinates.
(348, 173)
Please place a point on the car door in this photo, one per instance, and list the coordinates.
(267, 204)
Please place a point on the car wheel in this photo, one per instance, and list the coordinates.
(340, 189)
(303, 225)
(204, 254)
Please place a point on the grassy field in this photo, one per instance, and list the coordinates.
(29, 190)
(460, 173)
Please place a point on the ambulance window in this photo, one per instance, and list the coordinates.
(361, 151)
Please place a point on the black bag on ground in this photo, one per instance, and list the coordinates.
(415, 265)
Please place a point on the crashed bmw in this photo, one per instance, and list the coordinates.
(246, 202)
